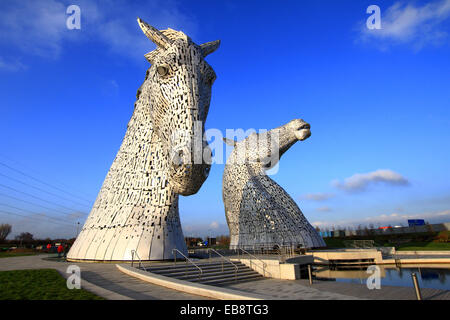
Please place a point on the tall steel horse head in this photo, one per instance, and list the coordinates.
(178, 85)
(163, 155)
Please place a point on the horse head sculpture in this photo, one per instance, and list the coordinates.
(178, 85)
(163, 155)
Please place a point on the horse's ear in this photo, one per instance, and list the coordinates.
(151, 56)
(230, 142)
(209, 47)
(154, 35)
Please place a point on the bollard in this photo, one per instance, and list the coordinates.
(310, 274)
(132, 258)
(416, 286)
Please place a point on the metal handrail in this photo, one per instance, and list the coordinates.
(187, 259)
(226, 259)
(280, 251)
(134, 252)
(251, 255)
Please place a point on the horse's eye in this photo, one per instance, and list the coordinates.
(162, 70)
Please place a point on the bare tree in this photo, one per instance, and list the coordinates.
(5, 230)
(223, 239)
(24, 237)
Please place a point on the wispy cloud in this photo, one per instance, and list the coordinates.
(361, 181)
(407, 23)
(324, 209)
(11, 65)
(319, 196)
(387, 219)
(29, 28)
(35, 27)
(214, 228)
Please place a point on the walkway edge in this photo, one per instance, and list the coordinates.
(189, 287)
(99, 291)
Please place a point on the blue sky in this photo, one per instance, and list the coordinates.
(377, 102)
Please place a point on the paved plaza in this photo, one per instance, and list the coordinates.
(105, 280)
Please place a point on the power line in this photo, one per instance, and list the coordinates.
(35, 204)
(53, 194)
(45, 183)
(30, 195)
(28, 217)
(32, 212)
(57, 182)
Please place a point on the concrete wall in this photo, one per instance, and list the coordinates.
(323, 257)
(273, 268)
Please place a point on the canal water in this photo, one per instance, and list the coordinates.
(434, 278)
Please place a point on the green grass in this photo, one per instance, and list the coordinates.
(408, 246)
(424, 246)
(40, 284)
(10, 254)
(334, 243)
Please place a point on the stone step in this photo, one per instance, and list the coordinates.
(189, 265)
(212, 272)
(212, 275)
(242, 278)
(184, 271)
(225, 276)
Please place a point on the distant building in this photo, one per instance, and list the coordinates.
(212, 241)
(416, 222)
(192, 242)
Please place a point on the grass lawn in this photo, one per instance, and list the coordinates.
(16, 254)
(40, 284)
(424, 246)
(334, 243)
(408, 246)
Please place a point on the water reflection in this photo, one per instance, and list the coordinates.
(429, 277)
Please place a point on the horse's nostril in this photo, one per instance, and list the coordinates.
(206, 171)
(178, 158)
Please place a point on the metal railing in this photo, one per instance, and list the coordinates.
(284, 251)
(134, 252)
(359, 244)
(416, 286)
(187, 260)
(264, 265)
(236, 269)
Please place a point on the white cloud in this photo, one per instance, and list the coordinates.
(214, 225)
(360, 181)
(11, 65)
(214, 228)
(407, 23)
(324, 209)
(35, 27)
(39, 27)
(319, 196)
(387, 219)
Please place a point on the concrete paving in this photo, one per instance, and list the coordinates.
(300, 289)
(104, 279)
